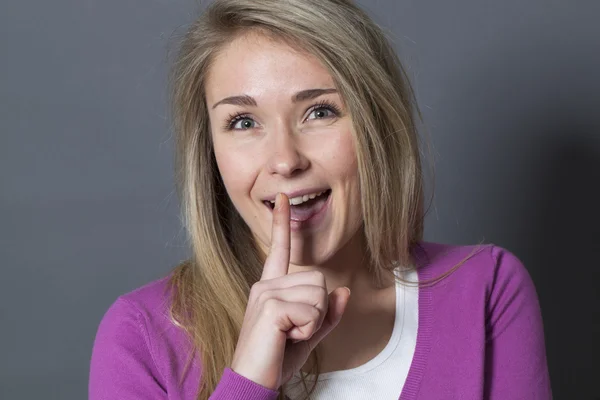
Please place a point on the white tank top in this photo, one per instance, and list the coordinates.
(382, 377)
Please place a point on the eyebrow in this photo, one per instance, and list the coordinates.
(246, 100)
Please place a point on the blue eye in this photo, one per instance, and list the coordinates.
(241, 122)
(244, 123)
(321, 113)
(324, 110)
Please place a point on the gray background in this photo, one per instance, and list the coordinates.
(509, 90)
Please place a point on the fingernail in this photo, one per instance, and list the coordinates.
(348, 289)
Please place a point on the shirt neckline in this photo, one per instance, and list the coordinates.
(419, 362)
(385, 353)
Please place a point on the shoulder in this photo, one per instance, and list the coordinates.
(145, 308)
(133, 320)
(486, 265)
(483, 315)
(483, 279)
(137, 337)
(151, 301)
(146, 312)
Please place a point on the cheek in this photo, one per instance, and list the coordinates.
(345, 164)
(236, 179)
(344, 161)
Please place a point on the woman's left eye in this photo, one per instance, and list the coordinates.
(321, 113)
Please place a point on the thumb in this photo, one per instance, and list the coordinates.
(338, 300)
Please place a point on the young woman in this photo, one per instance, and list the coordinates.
(301, 187)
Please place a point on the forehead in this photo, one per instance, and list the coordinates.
(254, 64)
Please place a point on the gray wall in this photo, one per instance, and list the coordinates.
(509, 91)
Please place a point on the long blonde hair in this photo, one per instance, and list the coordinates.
(211, 289)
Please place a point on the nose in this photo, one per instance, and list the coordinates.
(286, 158)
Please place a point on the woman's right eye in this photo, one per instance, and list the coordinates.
(242, 123)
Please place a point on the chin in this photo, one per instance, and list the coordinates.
(315, 250)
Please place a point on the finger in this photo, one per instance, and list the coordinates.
(315, 296)
(338, 300)
(292, 315)
(312, 295)
(312, 277)
(278, 260)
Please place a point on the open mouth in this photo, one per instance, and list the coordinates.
(303, 209)
(304, 203)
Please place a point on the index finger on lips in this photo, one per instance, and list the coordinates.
(278, 260)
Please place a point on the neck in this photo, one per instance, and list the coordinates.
(368, 319)
(348, 267)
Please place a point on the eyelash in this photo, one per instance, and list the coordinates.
(235, 118)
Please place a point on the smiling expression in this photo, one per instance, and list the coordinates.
(278, 124)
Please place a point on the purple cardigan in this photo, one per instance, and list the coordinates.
(480, 336)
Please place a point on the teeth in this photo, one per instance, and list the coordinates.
(302, 199)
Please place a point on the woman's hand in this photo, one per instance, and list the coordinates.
(287, 315)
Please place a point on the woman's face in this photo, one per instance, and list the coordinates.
(279, 125)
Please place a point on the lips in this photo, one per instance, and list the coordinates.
(305, 211)
(302, 201)
(298, 193)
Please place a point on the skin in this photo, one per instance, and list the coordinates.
(288, 148)
(282, 145)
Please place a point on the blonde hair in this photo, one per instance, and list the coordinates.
(210, 290)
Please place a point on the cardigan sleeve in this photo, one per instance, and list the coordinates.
(233, 386)
(515, 366)
(123, 365)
